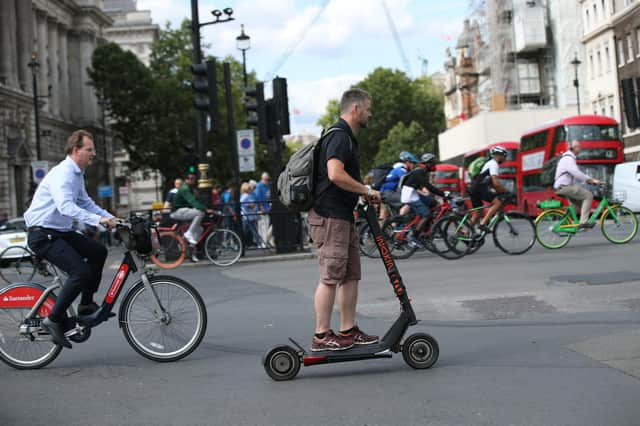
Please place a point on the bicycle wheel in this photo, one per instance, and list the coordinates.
(514, 233)
(170, 252)
(619, 225)
(31, 349)
(368, 245)
(456, 234)
(223, 247)
(546, 222)
(393, 230)
(163, 336)
(17, 265)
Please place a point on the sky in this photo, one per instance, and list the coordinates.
(322, 52)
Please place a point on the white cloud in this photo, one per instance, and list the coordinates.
(310, 98)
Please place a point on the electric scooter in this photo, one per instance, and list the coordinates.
(419, 350)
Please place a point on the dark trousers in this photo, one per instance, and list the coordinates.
(79, 256)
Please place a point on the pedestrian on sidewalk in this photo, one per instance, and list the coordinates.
(263, 197)
(332, 227)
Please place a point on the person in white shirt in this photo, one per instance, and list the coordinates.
(566, 181)
(484, 187)
(60, 199)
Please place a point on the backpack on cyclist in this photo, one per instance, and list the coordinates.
(404, 177)
(476, 166)
(379, 174)
(296, 183)
(548, 172)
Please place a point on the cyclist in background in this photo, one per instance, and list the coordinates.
(390, 187)
(484, 188)
(418, 192)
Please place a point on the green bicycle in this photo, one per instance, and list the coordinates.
(513, 232)
(556, 225)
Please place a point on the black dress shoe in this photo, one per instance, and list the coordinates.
(91, 309)
(56, 330)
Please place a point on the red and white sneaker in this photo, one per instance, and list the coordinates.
(360, 337)
(331, 342)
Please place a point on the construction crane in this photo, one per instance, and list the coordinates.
(424, 64)
(283, 59)
(396, 37)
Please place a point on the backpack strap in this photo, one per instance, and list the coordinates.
(564, 173)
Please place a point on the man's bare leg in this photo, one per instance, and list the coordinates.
(347, 300)
(495, 206)
(323, 302)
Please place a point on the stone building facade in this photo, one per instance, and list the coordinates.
(62, 35)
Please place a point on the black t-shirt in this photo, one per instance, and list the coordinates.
(330, 200)
(419, 178)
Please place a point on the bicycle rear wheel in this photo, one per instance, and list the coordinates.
(223, 247)
(32, 348)
(619, 225)
(514, 233)
(545, 224)
(17, 265)
(368, 245)
(163, 336)
(393, 231)
(170, 252)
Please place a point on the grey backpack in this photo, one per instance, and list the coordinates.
(296, 183)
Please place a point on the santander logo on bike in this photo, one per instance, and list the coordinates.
(26, 298)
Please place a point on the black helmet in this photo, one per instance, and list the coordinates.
(428, 158)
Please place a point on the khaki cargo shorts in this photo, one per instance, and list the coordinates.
(338, 248)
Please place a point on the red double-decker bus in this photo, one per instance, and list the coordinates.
(508, 169)
(447, 178)
(602, 149)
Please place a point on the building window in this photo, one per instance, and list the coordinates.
(620, 53)
(599, 62)
(604, 9)
(607, 57)
(595, 108)
(587, 21)
(629, 48)
(612, 111)
(591, 66)
(638, 40)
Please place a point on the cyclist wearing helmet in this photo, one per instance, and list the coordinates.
(388, 189)
(413, 190)
(485, 185)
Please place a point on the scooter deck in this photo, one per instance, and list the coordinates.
(375, 350)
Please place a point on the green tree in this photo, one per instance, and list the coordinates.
(331, 115)
(151, 109)
(396, 99)
(412, 138)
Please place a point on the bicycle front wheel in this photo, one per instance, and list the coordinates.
(545, 233)
(458, 236)
(223, 247)
(169, 335)
(170, 252)
(396, 235)
(514, 233)
(619, 225)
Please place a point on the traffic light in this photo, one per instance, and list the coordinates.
(206, 88)
(257, 110)
(281, 104)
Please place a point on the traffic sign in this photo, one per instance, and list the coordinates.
(247, 163)
(40, 170)
(246, 145)
(105, 191)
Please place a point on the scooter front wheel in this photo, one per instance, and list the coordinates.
(420, 351)
(282, 363)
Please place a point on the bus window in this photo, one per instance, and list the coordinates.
(531, 183)
(592, 132)
(445, 174)
(538, 140)
(559, 135)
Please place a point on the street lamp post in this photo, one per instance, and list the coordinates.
(576, 63)
(243, 43)
(35, 67)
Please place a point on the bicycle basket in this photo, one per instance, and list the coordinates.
(550, 204)
(140, 236)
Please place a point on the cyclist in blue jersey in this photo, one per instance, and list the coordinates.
(389, 189)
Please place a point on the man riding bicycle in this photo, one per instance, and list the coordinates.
(565, 184)
(486, 186)
(417, 191)
(390, 187)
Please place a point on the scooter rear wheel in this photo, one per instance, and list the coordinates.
(282, 363)
(420, 351)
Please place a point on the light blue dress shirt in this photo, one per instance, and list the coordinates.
(62, 198)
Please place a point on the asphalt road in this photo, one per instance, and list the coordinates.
(548, 338)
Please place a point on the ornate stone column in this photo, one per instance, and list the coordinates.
(63, 32)
(89, 101)
(8, 44)
(43, 55)
(54, 74)
(73, 67)
(24, 15)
